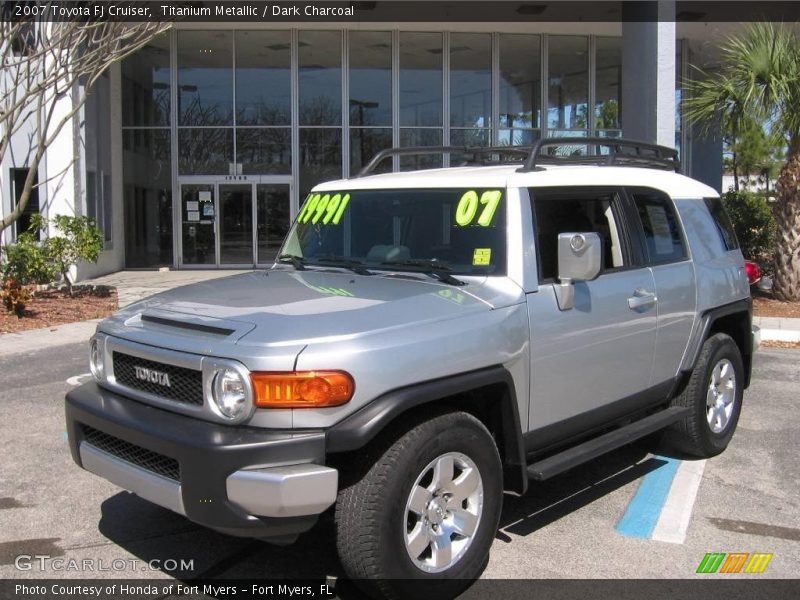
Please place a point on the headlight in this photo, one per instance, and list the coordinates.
(229, 393)
(96, 359)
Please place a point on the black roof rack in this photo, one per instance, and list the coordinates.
(568, 150)
(480, 154)
(560, 150)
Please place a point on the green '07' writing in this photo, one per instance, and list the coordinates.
(326, 208)
(468, 207)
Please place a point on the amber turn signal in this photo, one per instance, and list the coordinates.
(302, 389)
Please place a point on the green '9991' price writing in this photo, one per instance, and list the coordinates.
(325, 208)
(469, 204)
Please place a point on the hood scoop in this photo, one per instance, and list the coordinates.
(190, 325)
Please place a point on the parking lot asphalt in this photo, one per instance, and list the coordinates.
(748, 500)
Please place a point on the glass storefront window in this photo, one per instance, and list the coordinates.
(420, 137)
(320, 68)
(568, 82)
(366, 143)
(517, 137)
(205, 78)
(470, 80)
(520, 81)
(608, 82)
(263, 78)
(370, 78)
(146, 85)
(469, 137)
(264, 150)
(147, 197)
(420, 79)
(205, 151)
(320, 157)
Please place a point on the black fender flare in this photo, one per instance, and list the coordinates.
(360, 428)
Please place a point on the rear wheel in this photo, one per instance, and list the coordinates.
(714, 397)
(423, 517)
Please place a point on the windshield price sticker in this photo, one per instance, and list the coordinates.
(469, 204)
(326, 209)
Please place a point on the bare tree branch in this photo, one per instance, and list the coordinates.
(43, 62)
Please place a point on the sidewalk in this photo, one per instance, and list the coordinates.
(131, 286)
(135, 285)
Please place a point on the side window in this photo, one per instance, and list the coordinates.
(723, 222)
(662, 232)
(563, 211)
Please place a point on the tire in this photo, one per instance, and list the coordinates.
(718, 378)
(393, 543)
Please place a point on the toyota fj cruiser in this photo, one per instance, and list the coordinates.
(425, 341)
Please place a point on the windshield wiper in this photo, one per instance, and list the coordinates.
(298, 262)
(332, 260)
(431, 267)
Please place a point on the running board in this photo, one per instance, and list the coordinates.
(572, 457)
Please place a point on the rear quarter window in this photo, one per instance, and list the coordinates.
(662, 232)
(723, 222)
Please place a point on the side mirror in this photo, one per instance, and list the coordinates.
(578, 260)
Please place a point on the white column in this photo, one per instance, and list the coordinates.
(648, 72)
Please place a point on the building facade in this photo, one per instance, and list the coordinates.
(198, 151)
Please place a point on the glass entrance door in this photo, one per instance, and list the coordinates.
(236, 224)
(226, 224)
(272, 219)
(198, 224)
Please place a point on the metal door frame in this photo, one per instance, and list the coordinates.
(215, 181)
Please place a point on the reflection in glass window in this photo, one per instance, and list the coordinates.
(320, 157)
(608, 78)
(520, 81)
(366, 143)
(320, 77)
(263, 86)
(469, 137)
(273, 219)
(568, 82)
(517, 137)
(147, 199)
(421, 79)
(264, 150)
(205, 151)
(205, 78)
(146, 85)
(420, 137)
(470, 79)
(370, 78)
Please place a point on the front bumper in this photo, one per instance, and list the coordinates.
(238, 480)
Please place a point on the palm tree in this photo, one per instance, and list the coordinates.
(759, 76)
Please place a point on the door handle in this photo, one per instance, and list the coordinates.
(641, 299)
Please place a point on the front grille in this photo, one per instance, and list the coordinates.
(185, 385)
(136, 455)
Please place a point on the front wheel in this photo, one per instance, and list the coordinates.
(425, 512)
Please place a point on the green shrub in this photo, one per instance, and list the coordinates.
(752, 219)
(26, 261)
(75, 239)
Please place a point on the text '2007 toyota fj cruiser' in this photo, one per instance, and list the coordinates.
(425, 341)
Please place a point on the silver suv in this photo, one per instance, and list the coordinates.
(425, 341)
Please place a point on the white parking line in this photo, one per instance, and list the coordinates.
(79, 379)
(677, 511)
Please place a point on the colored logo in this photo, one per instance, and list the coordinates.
(734, 562)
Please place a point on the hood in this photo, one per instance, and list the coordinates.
(287, 307)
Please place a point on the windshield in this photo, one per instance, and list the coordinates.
(462, 230)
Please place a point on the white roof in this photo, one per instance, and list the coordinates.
(502, 176)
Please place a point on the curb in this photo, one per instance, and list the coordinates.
(47, 337)
(780, 335)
